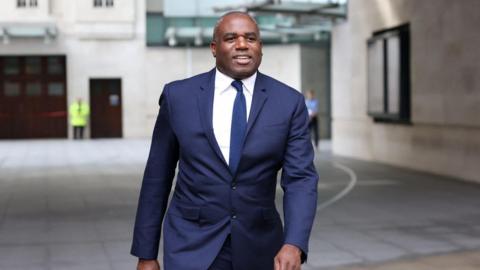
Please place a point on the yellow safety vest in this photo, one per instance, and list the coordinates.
(79, 114)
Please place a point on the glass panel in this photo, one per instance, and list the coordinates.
(34, 89)
(55, 65)
(33, 65)
(11, 89)
(375, 76)
(156, 27)
(55, 89)
(11, 66)
(393, 54)
(21, 3)
(109, 3)
(97, 3)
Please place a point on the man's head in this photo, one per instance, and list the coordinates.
(310, 94)
(236, 45)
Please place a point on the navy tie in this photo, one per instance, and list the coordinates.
(239, 126)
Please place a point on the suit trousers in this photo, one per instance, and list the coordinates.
(223, 261)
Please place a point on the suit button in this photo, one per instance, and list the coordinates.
(234, 215)
(234, 185)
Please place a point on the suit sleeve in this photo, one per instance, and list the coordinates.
(156, 184)
(299, 181)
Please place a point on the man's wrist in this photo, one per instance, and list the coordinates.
(297, 249)
(146, 260)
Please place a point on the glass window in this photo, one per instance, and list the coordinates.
(55, 65)
(388, 75)
(33, 3)
(21, 3)
(34, 89)
(55, 89)
(33, 65)
(393, 56)
(11, 66)
(375, 76)
(97, 3)
(11, 89)
(109, 3)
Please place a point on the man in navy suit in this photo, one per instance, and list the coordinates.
(231, 130)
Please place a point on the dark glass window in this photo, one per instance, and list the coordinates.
(55, 89)
(33, 65)
(109, 3)
(11, 89)
(389, 75)
(33, 89)
(97, 3)
(21, 3)
(11, 66)
(55, 65)
(33, 3)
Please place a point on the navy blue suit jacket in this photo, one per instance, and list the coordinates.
(209, 202)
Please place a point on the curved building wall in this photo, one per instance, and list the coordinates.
(444, 135)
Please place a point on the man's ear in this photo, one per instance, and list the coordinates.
(213, 48)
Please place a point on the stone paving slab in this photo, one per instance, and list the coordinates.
(71, 205)
(468, 260)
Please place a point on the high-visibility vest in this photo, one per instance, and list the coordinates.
(79, 114)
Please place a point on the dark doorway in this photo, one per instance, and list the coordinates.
(106, 108)
(33, 97)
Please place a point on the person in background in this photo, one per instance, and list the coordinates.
(79, 112)
(312, 106)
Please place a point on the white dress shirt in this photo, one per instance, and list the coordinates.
(223, 100)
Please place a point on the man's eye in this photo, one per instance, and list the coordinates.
(252, 39)
(230, 39)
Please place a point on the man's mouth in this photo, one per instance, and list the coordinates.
(242, 59)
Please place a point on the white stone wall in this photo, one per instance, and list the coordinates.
(445, 62)
(100, 52)
(154, 5)
(10, 13)
(121, 11)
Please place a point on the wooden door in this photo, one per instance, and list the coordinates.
(106, 108)
(33, 97)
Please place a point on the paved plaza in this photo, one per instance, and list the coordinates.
(71, 205)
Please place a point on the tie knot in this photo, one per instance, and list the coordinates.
(238, 85)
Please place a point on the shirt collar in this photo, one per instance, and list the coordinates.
(223, 82)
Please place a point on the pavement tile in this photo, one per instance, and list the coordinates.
(61, 208)
(22, 256)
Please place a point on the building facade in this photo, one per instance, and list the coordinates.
(442, 132)
(53, 52)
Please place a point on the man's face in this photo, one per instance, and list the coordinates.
(237, 46)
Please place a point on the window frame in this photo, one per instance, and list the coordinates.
(21, 3)
(103, 3)
(384, 38)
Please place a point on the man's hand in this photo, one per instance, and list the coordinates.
(288, 258)
(148, 265)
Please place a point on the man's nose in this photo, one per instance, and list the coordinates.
(241, 43)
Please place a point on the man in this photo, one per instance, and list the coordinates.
(312, 107)
(231, 130)
(79, 112)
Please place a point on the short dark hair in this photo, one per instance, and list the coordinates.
(232, 13)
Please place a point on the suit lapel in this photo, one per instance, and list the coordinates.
(205, 106)
(258, 100)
